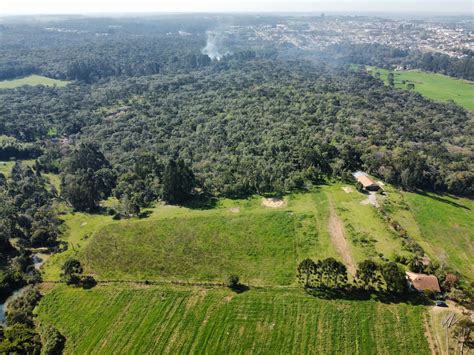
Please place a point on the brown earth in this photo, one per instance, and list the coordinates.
(338, 239)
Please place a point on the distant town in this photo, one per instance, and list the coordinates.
(315, 33)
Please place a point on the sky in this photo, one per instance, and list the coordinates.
(446, 7)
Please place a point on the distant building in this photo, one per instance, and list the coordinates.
(366, 181)
(422, 282)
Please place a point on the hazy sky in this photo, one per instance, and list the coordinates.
(8, 7)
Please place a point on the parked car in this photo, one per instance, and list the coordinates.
(441, 304)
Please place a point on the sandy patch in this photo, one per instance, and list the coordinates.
(429, 336)
(347, 189)
(234, 210)
(371, 200)
(338, 239)
(273, 202)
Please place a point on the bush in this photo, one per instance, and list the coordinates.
(88, 282)
(233, 281)
(52, 340)
(20, 310)
(72, 270)
(19, 339)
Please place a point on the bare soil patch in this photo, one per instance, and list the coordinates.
(429, 337)
(371, 200)
(347, 189)
(338, 239)
(234, 210)
(273, 202)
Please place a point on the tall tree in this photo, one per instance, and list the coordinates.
(368, 274)
(178, 182)
(87, 178)
(394, 277)
(306, 269)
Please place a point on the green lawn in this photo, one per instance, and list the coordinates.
(259, 248)
(32, 80)
(151, 319)
(434, 86)
(263, 245)
(7, 166)
(366, 231)
(447, 229)
(443, 225)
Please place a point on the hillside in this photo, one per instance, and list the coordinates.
(183, 320)
(261, 244)
(434, 86)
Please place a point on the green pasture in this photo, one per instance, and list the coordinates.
(135, 319)
(32, 80)
(432, 85)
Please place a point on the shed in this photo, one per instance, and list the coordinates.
(422, 282)
(366, 181)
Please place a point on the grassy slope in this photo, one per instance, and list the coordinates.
(443, 225)
(263, 246)
(260, 244)
(184, 320)
(434, 86)
(447, 229)
(32, 80)
(367, 232)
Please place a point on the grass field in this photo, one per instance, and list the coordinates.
(32, 80)
(152, 319)
(367, 232)
(262, 245)
(7, 166)
(442, 224)
(434, 86)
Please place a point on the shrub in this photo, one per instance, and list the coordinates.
(233, 281)
(52, 340)
(88, 281)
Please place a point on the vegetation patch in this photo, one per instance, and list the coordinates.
(184, 320)
(32, 80)
(258, 247)
(434, 86)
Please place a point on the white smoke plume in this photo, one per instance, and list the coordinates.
(214, 48)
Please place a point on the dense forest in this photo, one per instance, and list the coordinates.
(250, 125)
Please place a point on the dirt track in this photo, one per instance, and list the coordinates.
(338, 238)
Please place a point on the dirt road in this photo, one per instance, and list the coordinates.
(338, 238)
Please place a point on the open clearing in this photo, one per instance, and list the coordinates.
(434, 86)
(443, 225)
(263, 246)
(32, 80)
(217, 321)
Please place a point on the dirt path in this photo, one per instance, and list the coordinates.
(428, 335)
(338, 238)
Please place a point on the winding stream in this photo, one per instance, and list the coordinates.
(38, 260)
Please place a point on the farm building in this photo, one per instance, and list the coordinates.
(422, 282)
(366, 181)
